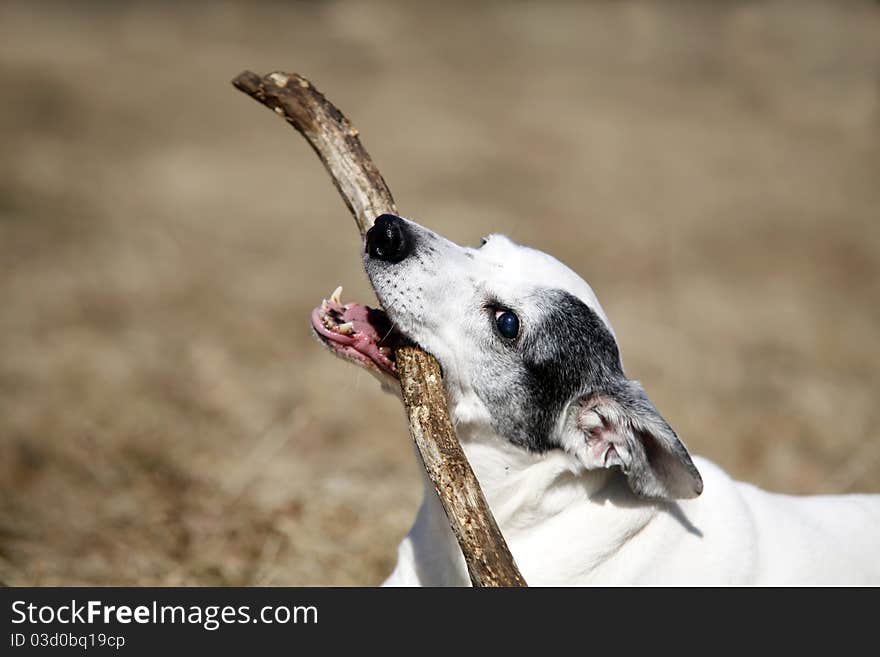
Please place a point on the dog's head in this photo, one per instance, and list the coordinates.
(526, 350)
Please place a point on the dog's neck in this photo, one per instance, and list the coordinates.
(534, 497)
(518, 484)
(524, 488)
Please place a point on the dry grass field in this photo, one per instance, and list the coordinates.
(713, 169)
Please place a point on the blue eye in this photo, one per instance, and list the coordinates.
(507, 323)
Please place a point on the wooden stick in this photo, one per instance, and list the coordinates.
(364, 191)
(331, 135)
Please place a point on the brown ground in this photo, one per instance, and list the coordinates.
(165, 417)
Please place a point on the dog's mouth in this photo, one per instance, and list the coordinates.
(358, 333)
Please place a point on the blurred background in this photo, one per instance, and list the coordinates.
(712, 168)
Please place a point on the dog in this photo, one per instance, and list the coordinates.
(587, 481)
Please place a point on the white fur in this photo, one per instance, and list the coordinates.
(571, 521)
(565, 528)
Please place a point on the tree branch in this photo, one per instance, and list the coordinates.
(364, 191)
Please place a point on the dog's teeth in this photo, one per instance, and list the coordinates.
(336, 297)
(324, 306)
(346, 329)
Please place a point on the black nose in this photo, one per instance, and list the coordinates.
(389, 239)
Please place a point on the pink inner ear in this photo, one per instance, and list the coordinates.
(599, 434)
(595, 433)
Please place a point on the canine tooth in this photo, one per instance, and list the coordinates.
(346, 329)
(324, 306)
(336, 297)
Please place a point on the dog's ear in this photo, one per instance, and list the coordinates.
(621, 428)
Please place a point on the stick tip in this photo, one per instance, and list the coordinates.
(246, 81)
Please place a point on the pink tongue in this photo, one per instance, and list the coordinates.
(358, 316)
(364, 336)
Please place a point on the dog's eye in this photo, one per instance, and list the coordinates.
(507, 323)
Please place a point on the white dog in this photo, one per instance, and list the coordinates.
(587, 481)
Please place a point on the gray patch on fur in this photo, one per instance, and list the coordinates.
(527, 383)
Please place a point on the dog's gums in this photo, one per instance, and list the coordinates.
(357, 333)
